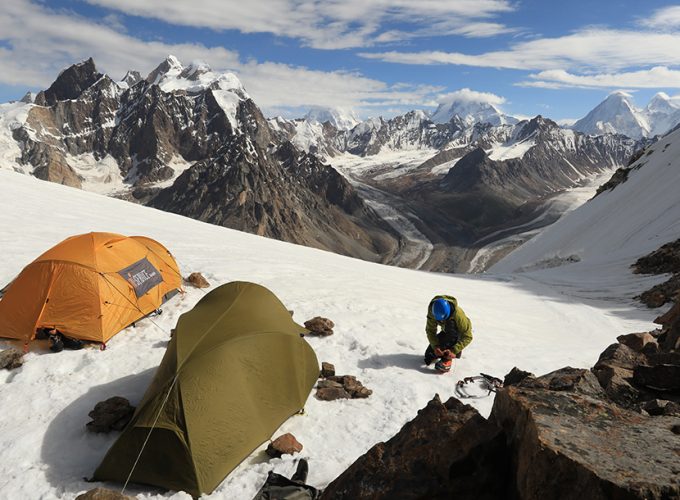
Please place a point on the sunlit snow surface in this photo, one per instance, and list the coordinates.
(379, 313)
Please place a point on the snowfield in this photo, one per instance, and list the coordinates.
(379, 312)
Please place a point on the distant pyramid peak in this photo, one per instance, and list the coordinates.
(341, 118)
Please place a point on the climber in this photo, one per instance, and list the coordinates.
(455, 334)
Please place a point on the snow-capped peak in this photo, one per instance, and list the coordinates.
(471, 107)
(171, 75)
(195, 70)
(131, 78)
(663, 113)
(170, 67)
(617, 114)
(340, 118)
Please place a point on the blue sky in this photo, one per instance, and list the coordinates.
(528, 57)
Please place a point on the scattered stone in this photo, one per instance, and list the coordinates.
(635, 341)
(352, 386)
(328, 383)
(332, 393)
(285, 444)
(197, 280)
(102, 494)
(327, 370)
(112, 414)
(322, 327)
(11, 358)
(515, 376)
(655, 407)
(447, 451)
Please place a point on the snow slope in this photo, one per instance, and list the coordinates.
(379, 313)
(616, 227)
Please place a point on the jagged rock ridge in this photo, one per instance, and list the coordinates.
(192, 141)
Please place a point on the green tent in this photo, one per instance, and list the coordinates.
(235, 370)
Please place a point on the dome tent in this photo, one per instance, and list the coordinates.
(236, 368)
(89, 287)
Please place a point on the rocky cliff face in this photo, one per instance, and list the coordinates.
(192, 141)
(242, 186)
(555, 436)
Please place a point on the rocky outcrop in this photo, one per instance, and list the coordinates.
(664, 260)
(571, 444)
(70, 83)
(447, 451)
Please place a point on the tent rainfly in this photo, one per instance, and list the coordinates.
(236, 368)
(89, 287)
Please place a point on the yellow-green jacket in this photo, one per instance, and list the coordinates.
(458, 319)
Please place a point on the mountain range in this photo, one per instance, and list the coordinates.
(191, 140)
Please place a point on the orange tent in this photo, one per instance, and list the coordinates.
(89, 287)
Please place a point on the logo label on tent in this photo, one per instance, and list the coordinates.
(142, 275)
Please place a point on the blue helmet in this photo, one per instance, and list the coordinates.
(441, 309)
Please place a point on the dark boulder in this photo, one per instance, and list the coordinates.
(515, 376)
(327, 369)
(322, 327)
(447, 451)
(197, 280)
(112, 414)
(574, 446)
(567, 379)
(614, 371)
(102, 494)
(636, 341)
(332, 393)
(661, 377)
(286, 444)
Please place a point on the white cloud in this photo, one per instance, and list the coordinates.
(327, 24)
(667, 18)
(566, 122)
(591, 48)
(466, 95)
(657, 77)
(40, 42)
